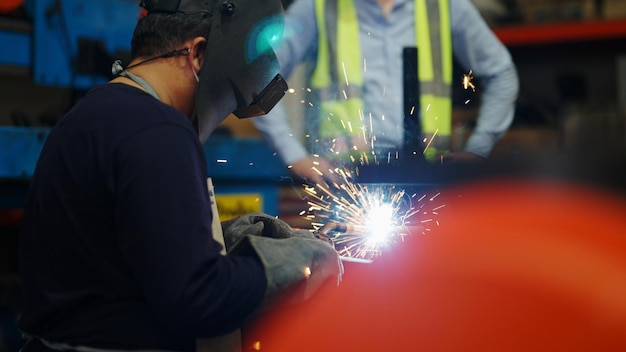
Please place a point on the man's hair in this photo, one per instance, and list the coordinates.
(159, 33)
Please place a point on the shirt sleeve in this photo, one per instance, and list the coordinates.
(299, 45)
(164, 222)
(477, 48)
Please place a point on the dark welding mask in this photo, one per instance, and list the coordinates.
(240, 70)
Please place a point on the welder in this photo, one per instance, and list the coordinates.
(117, 248)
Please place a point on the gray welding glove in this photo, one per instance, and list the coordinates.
(257, 224)
(295, 267)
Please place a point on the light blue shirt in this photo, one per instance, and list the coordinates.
(381, 40)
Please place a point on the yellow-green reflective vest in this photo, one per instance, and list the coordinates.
(337, 77)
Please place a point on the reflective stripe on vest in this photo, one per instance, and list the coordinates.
(337, 78)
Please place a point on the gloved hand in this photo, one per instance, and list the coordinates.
(296, 266)
(258, 224)
(294, 260)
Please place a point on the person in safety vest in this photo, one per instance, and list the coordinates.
(121, 248)
(354, 51)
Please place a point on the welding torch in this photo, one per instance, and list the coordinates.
(323, 233)
(332, 226)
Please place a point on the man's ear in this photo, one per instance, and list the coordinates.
(197, 48)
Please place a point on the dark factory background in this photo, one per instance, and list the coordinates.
(570, 118)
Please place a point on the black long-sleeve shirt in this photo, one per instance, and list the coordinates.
(116, 247)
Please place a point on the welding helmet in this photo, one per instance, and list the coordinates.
(240, 70)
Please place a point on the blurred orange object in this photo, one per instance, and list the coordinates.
(513, 266)
(7, 6)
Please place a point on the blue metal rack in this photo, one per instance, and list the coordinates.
(48, 42)
(20, 148)
(15, 40)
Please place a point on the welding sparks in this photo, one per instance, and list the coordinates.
(379, 222)
(430, 140)
(376, 216)
(467, 81)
